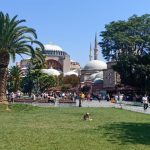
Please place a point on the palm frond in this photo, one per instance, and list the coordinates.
(16, 38)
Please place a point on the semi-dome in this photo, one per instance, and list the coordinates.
(51, 71)
(71, 73)
(92, 76)
(53, 47)
(95, 65)
(99, 75)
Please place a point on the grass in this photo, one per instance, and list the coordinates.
(33, 128)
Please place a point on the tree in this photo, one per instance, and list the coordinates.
(46, 81)
(30, 82)
(73, 80)
(14, 39)
(65, 87)
(15, 75)
(38, 61)
(126, 37)
(27, 82)
(128, 43)
(85, 89)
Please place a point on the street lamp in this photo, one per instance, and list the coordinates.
(80, 105)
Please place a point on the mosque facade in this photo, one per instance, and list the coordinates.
(111, 77)
(57, 61)
(56, 58)
(95, 73)
(92, 73)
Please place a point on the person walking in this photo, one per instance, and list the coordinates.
(81, 97)
(12, 97)
(145, 102)
(33, 97)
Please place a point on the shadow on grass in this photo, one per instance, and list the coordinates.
(135, 133)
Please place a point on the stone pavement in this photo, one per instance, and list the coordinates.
(125, 106)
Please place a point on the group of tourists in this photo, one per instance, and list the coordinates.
(13, 95)
(51, 96)
(145, 99)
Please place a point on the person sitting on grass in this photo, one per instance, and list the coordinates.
(87, 117)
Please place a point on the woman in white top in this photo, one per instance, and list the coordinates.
(145, 102)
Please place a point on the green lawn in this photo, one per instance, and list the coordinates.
(34, 128)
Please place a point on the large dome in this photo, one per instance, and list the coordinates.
(95, 65)
(53, 47)
(53, 72)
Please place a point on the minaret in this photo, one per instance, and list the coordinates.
(90, 56)
(96, 48)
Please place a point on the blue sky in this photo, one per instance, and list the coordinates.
(72, 23)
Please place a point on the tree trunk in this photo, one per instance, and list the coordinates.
(3, 82)
(4, 60)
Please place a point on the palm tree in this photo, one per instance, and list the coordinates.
(15, 76)
(14, 39)
(38, 61)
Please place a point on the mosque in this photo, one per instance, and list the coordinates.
(92, 73)
(57, 61)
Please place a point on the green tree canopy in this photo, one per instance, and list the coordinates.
(38, 61)
(128, 37)
(73, 80)
(15, 75)
(128, 43)
(46, 81)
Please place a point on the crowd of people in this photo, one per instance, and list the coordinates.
(142, 98)
(51, 96)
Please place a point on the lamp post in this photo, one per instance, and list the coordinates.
(80, 105)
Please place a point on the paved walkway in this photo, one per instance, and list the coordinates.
(126, 106)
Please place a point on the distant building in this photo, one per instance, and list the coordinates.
(74, 65)
(57, 60)
(93, 70)
(24, 64)
(111, 78)
(112, 81)
(92, 73)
